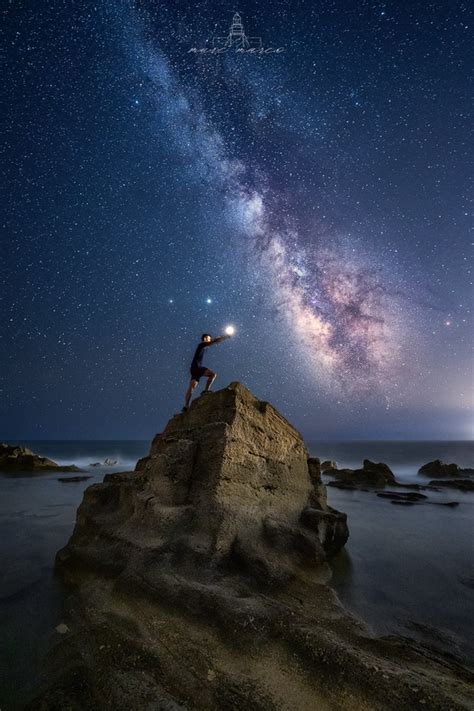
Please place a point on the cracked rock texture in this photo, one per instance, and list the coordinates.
(199, 582)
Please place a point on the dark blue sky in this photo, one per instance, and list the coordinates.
(316, 198)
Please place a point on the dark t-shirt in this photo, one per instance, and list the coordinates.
(198, 355)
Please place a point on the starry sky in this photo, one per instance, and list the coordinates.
(315, 195)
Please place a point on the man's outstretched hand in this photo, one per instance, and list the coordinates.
(221, 338)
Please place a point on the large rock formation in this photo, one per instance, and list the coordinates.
(228, 485)
(198, 582)
(14, 459)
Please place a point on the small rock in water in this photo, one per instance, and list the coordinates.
(404, 502)
(461, 484)
(372, 474)
(439, 468)
(65, 479)
(408, 496)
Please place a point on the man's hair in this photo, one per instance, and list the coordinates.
(204, 336)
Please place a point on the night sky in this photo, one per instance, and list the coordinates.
(317, 198)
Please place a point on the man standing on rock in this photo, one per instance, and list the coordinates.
(198, 370)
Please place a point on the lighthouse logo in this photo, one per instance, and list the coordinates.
(237, 37)
(236, 41)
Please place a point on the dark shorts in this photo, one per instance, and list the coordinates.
(197, 372)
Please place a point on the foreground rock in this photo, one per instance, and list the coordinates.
(14, 458)
(438, 468)
(227, 485)
(198, 582)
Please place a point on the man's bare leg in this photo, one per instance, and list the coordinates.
(211, 376)
(189, 392)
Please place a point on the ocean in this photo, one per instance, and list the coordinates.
(405, 570)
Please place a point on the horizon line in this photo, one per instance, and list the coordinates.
(138, 439)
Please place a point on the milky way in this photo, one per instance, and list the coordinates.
(335, 303)
(344, 317)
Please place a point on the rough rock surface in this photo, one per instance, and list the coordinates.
(14, 458)
(227, 484)
(438, 468)
(198, 582)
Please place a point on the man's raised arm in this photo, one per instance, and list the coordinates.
(219, 339)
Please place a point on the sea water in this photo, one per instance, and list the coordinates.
(405, 570)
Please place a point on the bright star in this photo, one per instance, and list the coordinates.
(208, 301)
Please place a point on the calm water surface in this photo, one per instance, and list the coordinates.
(408, 570)
(405, 570)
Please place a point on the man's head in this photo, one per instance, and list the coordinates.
(206, 337)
